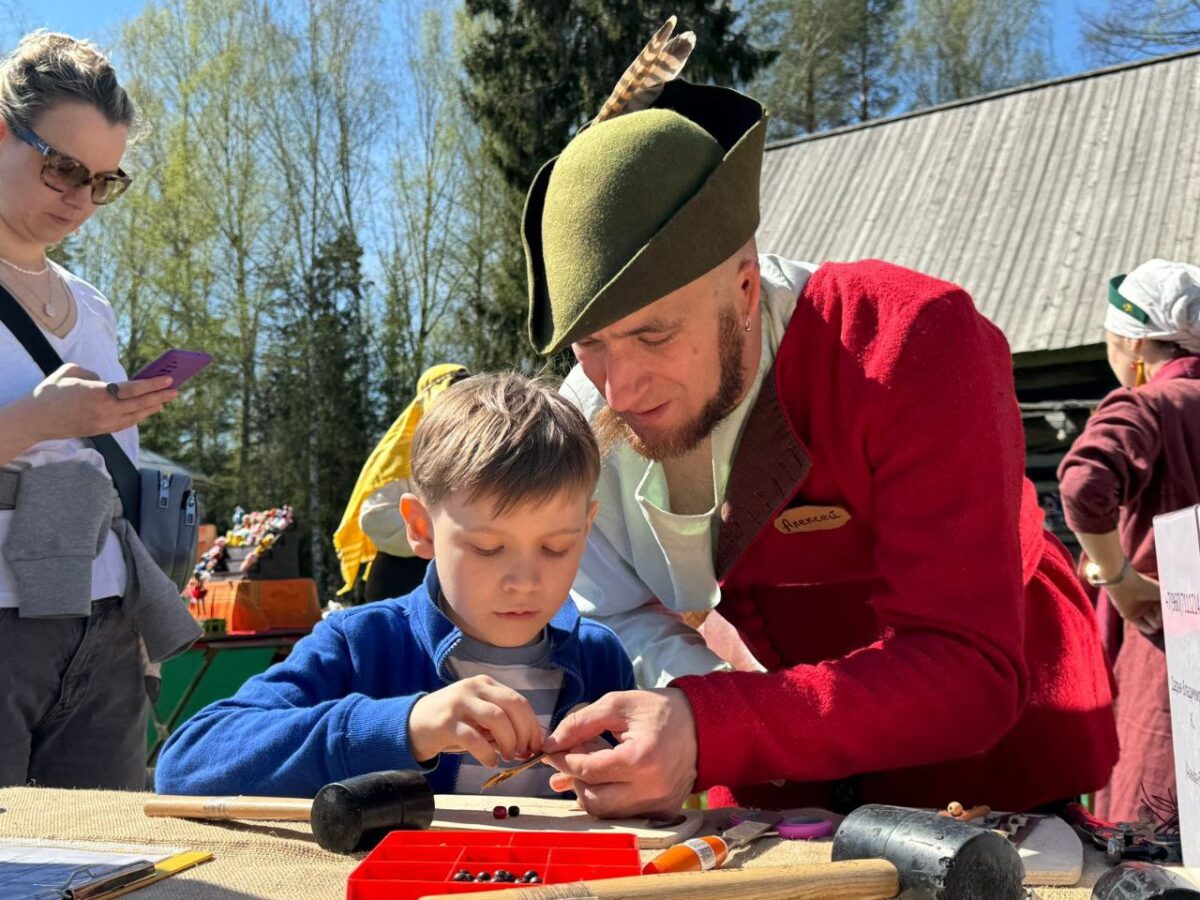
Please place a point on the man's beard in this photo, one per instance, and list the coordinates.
(611, 430)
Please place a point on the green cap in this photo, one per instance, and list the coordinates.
(639, 205)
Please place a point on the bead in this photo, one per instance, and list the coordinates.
(462, 876)
(530, 875)
(533, 878)
(955, 809)
(499, 812)
(514, 811)
(484, 876)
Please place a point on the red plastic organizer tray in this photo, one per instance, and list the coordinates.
(407, 865)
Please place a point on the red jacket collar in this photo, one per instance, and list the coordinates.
(768, 467)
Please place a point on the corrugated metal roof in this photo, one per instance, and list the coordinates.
(1031, 199)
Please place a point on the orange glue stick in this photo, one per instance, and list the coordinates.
(695, 855)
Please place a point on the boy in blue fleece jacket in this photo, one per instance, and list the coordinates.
(467, 673)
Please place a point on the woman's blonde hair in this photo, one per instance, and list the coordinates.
(48, 68)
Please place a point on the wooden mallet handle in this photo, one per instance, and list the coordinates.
(866, 879)
(267, 809)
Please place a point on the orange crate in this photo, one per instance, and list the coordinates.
(252, 605)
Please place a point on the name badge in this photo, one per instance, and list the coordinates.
(811, 518)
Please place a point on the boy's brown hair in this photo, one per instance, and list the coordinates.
(503, 436)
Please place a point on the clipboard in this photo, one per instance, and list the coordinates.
(83, 871)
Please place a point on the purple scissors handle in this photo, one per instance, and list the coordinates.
(797, 828)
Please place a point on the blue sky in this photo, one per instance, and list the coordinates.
(99, 18)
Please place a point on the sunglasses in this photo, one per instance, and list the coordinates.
(64, 173)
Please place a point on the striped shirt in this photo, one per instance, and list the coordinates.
(529, 671)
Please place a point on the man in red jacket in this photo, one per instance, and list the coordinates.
(832, 454)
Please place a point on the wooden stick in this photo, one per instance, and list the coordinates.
(867, 879)
(266, 809)
(501, 777)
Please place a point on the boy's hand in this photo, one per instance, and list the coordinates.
(477, 715)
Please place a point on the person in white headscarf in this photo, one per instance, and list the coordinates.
(1139, 456)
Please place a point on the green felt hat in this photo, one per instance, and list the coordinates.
(639, 205)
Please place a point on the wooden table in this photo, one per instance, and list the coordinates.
(269, 860)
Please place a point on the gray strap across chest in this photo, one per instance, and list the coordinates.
(9, 481)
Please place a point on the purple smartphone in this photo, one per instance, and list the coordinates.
(179, 364)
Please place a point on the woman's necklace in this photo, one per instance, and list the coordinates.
(31, 272)
(48, 303)
(49, 310)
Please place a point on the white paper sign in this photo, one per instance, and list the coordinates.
(1177, 543)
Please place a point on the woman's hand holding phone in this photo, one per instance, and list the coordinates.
(73, 402)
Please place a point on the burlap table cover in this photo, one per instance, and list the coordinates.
(280, 860)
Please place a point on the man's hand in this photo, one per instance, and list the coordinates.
(477, 715)
(651, 770)
(72, 402)
(1138, 600)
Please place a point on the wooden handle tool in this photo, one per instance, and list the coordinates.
(867, 879)
(501, 777)
(346, 816)
(266, 809)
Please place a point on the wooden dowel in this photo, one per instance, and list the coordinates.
(867, 879)
(267, 809)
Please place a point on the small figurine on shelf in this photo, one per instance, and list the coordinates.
(258, 532)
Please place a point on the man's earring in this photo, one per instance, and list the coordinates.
(747, 324)
(1139, 369)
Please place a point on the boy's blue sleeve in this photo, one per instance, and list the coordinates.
(307, 721)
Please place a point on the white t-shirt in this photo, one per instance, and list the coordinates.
(92, 344)
(644, 564)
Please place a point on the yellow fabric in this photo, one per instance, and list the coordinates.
(389, 461)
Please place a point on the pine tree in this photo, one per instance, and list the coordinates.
(834, 61)
(538, 69)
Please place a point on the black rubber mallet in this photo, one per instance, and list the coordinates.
(936, 857)
(1143, 881)
(347, 816)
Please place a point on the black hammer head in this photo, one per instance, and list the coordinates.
(938, 858)
(355, 813)
(1143, 881)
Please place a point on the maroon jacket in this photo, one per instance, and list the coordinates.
(934, 647)
(1139, 456)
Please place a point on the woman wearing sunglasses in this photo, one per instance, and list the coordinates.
(72, 694)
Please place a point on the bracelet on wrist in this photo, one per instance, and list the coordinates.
(1094, 575)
